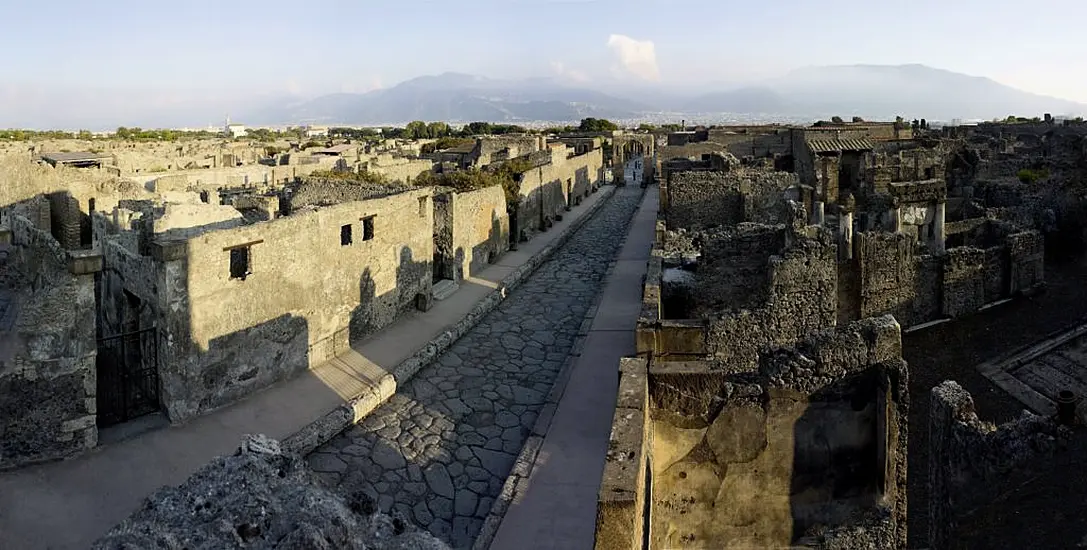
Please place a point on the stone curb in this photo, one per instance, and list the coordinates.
(526, 460)
(322, 430)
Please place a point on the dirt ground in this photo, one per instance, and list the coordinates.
(1036, 508)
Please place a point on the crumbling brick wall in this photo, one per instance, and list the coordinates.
(720, 456)
(800, 297)
(733, 272)
(47, 351)
(493, 148)
(895, 280)
(326, 192)
(702, 199)
(66, 219)
(968, 457)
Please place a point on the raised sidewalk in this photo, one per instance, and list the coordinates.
(550, 498)
(69, 504)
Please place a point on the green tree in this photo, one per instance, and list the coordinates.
(597, 125)
(437, 130)
(415, 129)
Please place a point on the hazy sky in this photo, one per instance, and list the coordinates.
(168, 50)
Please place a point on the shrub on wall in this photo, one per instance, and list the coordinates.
(1031, 175)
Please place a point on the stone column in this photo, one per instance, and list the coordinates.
(939, 235)
(845, 234)
(896, 217)
(818, 213)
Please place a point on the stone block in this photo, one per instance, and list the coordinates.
(83, 262)
(168, 251)
(424, 301)
(78, 423)
(681, 337)
(619, 507)
(632, 387)
(688, 392)
(645, 340)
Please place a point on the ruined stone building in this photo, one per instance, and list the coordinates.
(557, 180)
(886, 206)
(806, 448)
(178, 297)
(231, 304)
(47, 369)
(769, 364)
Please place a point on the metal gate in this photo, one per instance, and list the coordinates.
(128, 381)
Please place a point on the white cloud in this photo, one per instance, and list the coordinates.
(635, 57)
(563, 71)
(361, 86)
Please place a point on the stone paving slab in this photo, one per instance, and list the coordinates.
(440, 450)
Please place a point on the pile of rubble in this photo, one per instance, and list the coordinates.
(261, 498)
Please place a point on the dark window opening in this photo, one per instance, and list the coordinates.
(239, 263)
(422, 207)
(930, 173)
(345, 235)
(368, 228)
(90, 205)
(205, 197)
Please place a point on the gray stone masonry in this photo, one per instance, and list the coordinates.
(261, 498)
(440, 450)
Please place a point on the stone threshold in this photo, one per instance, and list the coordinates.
(384, 385)
(999, 371)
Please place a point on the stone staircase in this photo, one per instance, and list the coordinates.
(443, 289)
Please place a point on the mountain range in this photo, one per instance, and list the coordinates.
(869, 91)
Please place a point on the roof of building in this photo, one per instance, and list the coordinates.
(838, 145)
(334, 150)
(462, 149)
(78, 156)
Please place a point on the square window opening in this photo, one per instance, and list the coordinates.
(345, 235)
(368, 228)
(239, 263)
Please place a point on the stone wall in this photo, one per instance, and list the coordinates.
(473, 232)
(281, 507)
(547, 190)
(735, 267)
(807, 449)
(968, 458)
(798, 295)
(893, 277)
(47, 348)
(327, 192)
(255, 175)
(701, 199)
(398, 169)
(315, 281)
(498, 148)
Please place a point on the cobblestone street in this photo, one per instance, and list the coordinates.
(439, 450)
